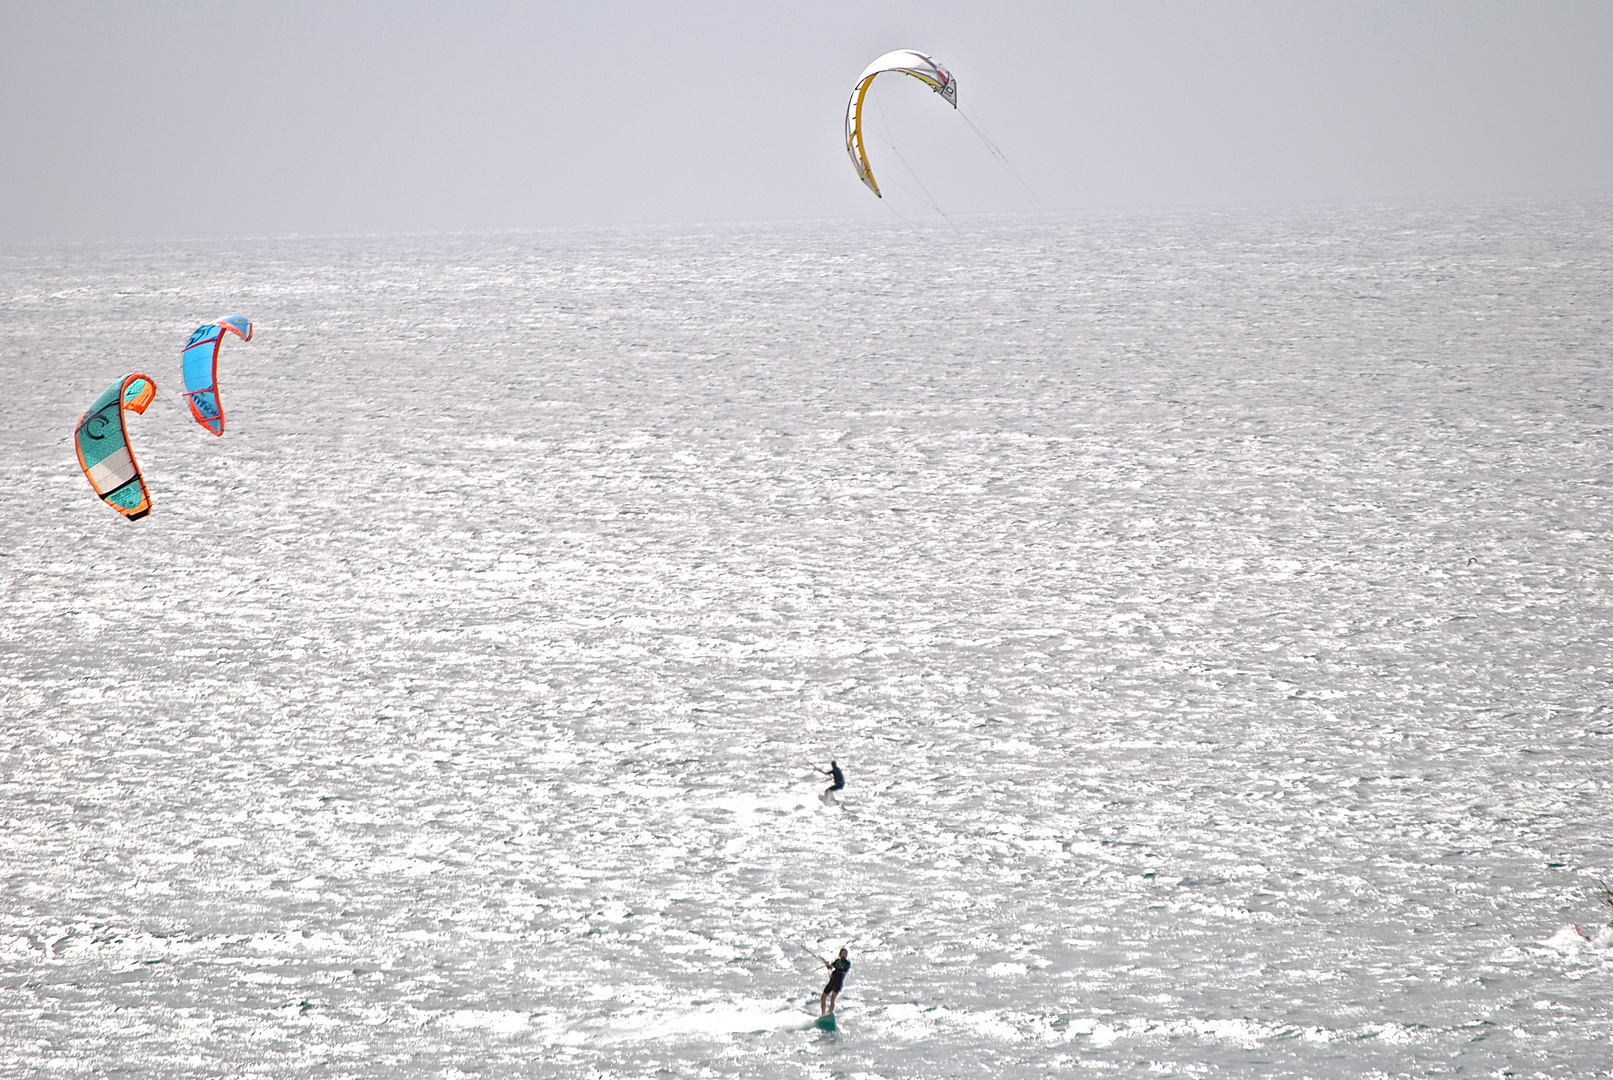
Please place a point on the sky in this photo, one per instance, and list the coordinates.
(251, 118)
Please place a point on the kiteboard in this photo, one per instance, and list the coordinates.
(826, 1022)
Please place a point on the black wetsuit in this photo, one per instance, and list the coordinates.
(837, 975)
(837, 776)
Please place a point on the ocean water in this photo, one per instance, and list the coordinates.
(1211, 610)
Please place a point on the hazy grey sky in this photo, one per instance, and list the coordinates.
(163, 118)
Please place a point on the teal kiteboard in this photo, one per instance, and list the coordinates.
(826, 1022)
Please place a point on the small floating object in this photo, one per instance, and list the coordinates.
(826, 1022)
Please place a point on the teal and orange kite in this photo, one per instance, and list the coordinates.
(201, 369)
(102, 439)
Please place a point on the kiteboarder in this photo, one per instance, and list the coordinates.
(837, 977)
(833, 773)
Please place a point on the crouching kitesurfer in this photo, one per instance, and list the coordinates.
(838, 783)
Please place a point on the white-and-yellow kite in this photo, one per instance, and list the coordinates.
(925, 69)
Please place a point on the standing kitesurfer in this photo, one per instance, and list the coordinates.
(833, 773)
(837, 978)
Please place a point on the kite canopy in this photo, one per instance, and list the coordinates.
(102, 438)
(923, 68)
(201, 369)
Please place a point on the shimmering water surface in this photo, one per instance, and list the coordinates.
(1211, 612)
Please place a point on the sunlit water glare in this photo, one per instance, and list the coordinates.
(1211, 612)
